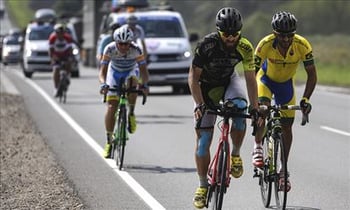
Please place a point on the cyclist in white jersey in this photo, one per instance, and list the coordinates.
(139, 33)
(121, 59)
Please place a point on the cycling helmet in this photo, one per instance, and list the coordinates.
(113, 25)
(284, 22)
(123, 34)
(59, 27)
(229, 20)
(132, 20)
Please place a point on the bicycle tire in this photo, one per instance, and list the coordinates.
(220, 190)
(266, 173)
(62, 88)
(280, 161)
(121, 137)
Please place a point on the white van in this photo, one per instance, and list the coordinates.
(168, 46)
(36, 49)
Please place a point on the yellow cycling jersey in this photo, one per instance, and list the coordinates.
(277, 67)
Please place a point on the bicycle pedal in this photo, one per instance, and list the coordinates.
(256, 173)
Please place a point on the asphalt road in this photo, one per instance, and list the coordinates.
(159, 165)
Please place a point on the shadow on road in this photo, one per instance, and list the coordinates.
(157, 169)
(162, 119)
(296, 208)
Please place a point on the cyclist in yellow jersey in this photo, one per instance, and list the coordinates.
(212, 77)
(277, 58)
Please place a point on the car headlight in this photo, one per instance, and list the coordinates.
(186, 55)
(75, 51)
(6, 51)
(29, 53)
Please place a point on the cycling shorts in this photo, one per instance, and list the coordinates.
(283, 93)
(113, 80)
(213, 95)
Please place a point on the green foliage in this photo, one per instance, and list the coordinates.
(19, 12)
(331, 74)
(68, 7)
(328, 19)
(259, 23)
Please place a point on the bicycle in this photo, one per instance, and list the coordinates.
(219, 167)
(63, 83)
(120, 131)
(274, 156)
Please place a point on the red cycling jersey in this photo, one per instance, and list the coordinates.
(60, 48)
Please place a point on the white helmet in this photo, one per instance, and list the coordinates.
(123, 34)
(59, 27)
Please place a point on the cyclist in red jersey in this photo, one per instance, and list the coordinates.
(60, 42)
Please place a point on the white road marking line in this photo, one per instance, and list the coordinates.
(335, 130)
(133, 184)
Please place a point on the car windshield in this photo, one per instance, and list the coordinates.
(42, 34)
(160, 26)
(11, 41)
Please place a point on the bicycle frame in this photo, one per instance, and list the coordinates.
(274, 156)
(219, 168)
(212, 173)
(120, 133)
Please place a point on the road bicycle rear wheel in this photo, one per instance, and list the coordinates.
(63, 87)
(120, 138)
(280, 162)
(220, 190)
(265, 175)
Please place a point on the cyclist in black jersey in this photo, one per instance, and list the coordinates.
(212, 77)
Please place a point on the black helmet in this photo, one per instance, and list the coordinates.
(113, 26)
(229, 20)
(284, 22)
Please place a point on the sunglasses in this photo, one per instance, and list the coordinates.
(283, 35)
(123, 43)
(226, 34)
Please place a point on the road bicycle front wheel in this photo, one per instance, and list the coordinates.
(280, 162)
(120, 139)
(220, 189)
(265, 180)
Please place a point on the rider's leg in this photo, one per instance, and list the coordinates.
(55, 76)
(110, 118)
(235, 93)
(202, 154)
(204, 128)
(132, 82)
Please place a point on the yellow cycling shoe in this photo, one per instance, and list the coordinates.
(132, 123)
(200, 197)
(236, 166)
(107, 151)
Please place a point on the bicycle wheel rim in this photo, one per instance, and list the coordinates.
(280, 160)
(265, 176)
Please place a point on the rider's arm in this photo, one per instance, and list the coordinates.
(249, 67)
(144, 73)
(103, 68)
(311, 80)
(252, 88)
(193, 83)
(52, 39)
(141, 62)
(69, 41)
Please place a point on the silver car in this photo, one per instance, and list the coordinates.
(11, 50)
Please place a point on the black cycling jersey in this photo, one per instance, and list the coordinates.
(218, 63)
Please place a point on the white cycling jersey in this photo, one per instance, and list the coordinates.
(120, 62)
